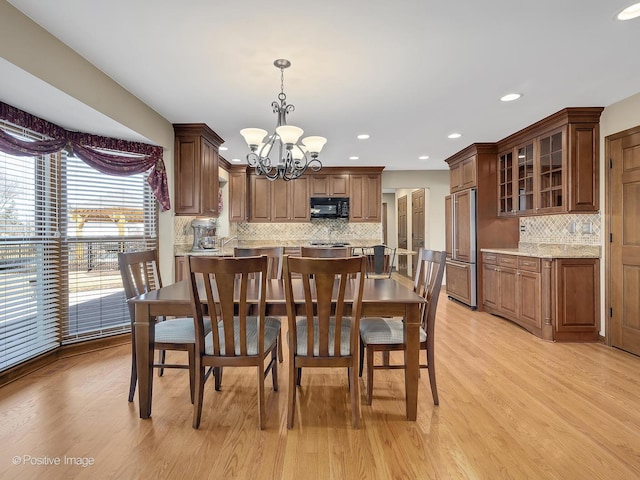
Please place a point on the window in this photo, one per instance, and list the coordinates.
(61, 226)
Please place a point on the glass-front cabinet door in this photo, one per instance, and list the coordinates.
(525, 198)
(505, 187)
(551, 181)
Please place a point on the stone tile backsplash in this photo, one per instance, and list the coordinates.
(289, 233)
(576, 229)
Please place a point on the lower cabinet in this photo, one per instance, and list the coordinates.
(461, 282)
(555, 299)
(181, 268)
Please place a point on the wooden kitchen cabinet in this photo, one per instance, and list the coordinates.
(181, 268)
(551, 166)
(260, 198)
(462, 174)
(238, 194)
(365, 202)
(290, 200)
(329, 185)
(555, 299)
(460, 281)
(196, 169)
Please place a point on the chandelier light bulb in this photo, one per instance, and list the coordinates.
(253, 136)
(314, 144)
(289, 134)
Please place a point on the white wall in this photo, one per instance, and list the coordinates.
(32, 49)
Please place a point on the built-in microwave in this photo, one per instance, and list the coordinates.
(329, 207)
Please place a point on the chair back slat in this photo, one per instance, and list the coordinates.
(427, 284)
(325, 282)
(274, 254)
(227, 282)
(140, 274)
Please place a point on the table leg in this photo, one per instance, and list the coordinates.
(412, 358)
(145, 333)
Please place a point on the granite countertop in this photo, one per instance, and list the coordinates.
(227, 250)
(544, 250)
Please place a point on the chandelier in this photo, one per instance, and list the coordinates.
(292, 158)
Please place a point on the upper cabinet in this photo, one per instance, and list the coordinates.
(238, 193)
(329, 185)
(278, 200)
(196, 169)
(462, 174)
(366, 197)
(551, 166)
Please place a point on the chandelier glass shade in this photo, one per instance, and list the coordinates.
(282, 154)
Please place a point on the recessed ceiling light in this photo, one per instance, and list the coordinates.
(223, 149)
(455, 135)
(363, 136)
(630, 12)
(354, 158)
(423, 157)
(236, 160)
(510, 97)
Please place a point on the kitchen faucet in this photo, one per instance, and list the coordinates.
(227, 240)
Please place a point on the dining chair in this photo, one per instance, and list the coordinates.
(380, 260)
(325, 332)
(274, 254)
(140, 274)
(326, 252)
(387, 335)
(240, 340)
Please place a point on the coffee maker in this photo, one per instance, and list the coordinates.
(204, 234)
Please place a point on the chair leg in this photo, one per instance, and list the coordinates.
(217, 373)
(355, 398)
(274, 368)
(199, 393)
(262, 411)
(134, 369)
(431, 365)
(370, 352)
(298, 376)
(361, 358)
(291, 394)
(280, 355)
(162, 355)
(191, 352)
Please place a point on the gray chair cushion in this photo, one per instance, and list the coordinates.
(345, 336)
(178, 330)
(271, 331)
(384, 331)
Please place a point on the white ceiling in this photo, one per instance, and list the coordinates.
(407, 72)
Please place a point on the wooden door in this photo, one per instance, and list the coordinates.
(417, 224)
(402, 233)
(624, 258)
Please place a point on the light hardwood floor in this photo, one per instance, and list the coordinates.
(511, 406)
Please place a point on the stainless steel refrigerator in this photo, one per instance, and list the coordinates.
(461, 247)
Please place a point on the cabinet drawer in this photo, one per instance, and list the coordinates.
(490, 258)
(529, 264)
(509, 261)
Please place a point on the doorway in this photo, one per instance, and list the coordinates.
(402, 233)
(623, 254)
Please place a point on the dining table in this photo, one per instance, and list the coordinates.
(381, 297)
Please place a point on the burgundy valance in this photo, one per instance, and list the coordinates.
(89, 148)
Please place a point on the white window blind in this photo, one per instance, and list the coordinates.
(62, 225)
(29, 256)
(104, 215)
